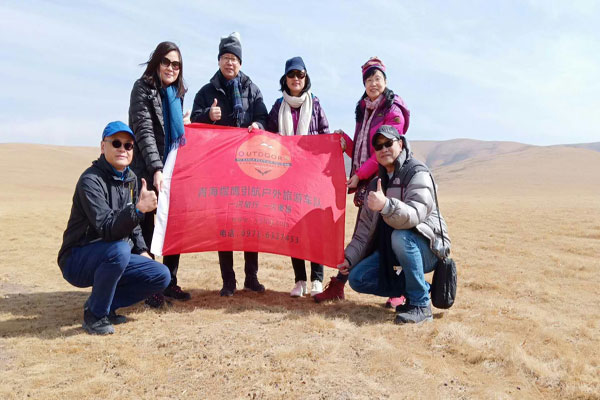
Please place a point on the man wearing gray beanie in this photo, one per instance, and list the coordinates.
(232, 99)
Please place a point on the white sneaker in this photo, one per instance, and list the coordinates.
(316, 287)
(299, 290)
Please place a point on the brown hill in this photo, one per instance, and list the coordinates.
(33, 170)
(590, 146)
(529, 171)
(437, 154)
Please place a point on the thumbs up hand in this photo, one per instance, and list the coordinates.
(186, 118)
(376, 199)
(215, 112)
(147, 201)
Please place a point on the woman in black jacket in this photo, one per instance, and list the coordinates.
(156, 118)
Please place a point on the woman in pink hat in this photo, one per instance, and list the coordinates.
(377, 106)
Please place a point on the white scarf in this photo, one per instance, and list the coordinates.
(284, 119)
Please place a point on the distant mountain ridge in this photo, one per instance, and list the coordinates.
(443, 153)
(590, 146)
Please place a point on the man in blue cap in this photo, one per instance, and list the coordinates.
(103, 246)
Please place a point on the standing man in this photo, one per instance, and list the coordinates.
(103, 245)
(398, 238)
(231, 99)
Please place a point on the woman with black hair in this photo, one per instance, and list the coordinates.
(156, 118)
(377, 106)
(299, 112)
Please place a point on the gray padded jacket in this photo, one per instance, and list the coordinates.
(413, 207)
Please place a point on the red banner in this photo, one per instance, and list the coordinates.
(227, 189)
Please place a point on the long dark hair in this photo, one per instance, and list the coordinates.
(153, 63)
(388, 95)
(284, 86)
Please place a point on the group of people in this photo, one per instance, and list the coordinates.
(108, 236)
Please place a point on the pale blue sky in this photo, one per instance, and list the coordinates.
(525, 71)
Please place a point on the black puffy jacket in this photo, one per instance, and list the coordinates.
(252, 103)
(146, 122)
(103, 209)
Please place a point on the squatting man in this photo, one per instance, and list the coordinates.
(397, 238)
(103, 246)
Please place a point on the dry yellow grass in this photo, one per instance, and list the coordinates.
(526, 234)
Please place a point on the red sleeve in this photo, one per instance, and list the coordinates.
(369, 168)
(349, 144)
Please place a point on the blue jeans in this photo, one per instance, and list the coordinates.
(416, 258)
(118, 278)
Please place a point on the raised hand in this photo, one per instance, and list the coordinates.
(376, 199)
(252, 126)
(186, 118)
(215, 112)
(342, 138)
(352, 183)
(147, 201)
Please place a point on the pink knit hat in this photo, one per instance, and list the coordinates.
(373, 62)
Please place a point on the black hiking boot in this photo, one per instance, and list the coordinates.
(254, 285)
(176, 293)
(414, 314)
(96, 326)
(157, 300)
(116, 319)
(228, 289)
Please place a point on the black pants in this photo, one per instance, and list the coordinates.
(172, 261)
(226, 263)
(316, 270)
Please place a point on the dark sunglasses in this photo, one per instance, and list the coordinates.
(387, 144)
(165, 62)
(117, 144)
(296, 74)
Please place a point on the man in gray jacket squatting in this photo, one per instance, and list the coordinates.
(397, 238)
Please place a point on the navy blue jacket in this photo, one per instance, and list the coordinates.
(103, 210)
(252, 103)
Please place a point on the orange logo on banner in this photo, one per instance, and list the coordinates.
(263, 158)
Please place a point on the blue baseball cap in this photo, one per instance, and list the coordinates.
(116, 127)
(294, 63)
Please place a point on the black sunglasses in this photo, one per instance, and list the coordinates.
(386, 144)
(117, 144)
(296, 74)
(165, 62)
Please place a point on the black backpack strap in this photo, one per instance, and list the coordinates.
(439, 212)
(408, 170)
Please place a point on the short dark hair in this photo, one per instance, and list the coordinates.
(153, 63)
(284, 86)
(371, 72)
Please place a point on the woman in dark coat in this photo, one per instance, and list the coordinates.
(298, 112)
(156, 118)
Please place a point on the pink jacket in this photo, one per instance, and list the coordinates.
(397, 116)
